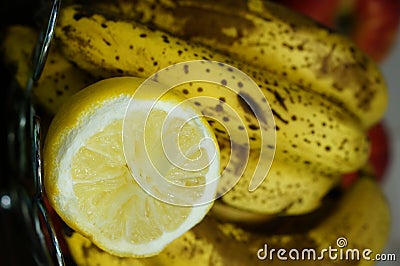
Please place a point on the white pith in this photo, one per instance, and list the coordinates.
(89, 124)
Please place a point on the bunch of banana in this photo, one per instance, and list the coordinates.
(323, 93)
(318, 137)
(269, 36)
(60, 78)
(345, 223)
(291, 187)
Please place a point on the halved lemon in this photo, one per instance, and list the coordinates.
(89, 181)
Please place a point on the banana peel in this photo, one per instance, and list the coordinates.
(346, 216)
(271, 36)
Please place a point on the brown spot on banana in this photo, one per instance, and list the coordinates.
(248, 104)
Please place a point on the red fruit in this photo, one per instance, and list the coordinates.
(323, 11)
(379, 158)
(371, 24)
(380, 149)
(375, 26)
(348, 179)
(58, 227)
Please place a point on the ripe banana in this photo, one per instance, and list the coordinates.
(355, 215)
(291, 188)
(213, 242)
(269, 36)
(60, 78)
(305, 120)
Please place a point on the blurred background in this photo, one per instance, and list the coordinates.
(391, 185)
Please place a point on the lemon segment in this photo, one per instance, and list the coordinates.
(90, 184)
(177, 154)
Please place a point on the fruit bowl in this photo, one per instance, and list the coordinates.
(226, 232)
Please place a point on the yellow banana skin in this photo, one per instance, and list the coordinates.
(270, 36)
(213, 242)
(60, 78)
(107, 47)
(354, 218)
(17, 46)
(290, 188)
(305, 121)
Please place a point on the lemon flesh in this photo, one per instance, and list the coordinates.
(90, 185)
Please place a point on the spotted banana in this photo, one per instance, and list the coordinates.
(304, 120)
(212, 242)
(269, 36)
(291, 188)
